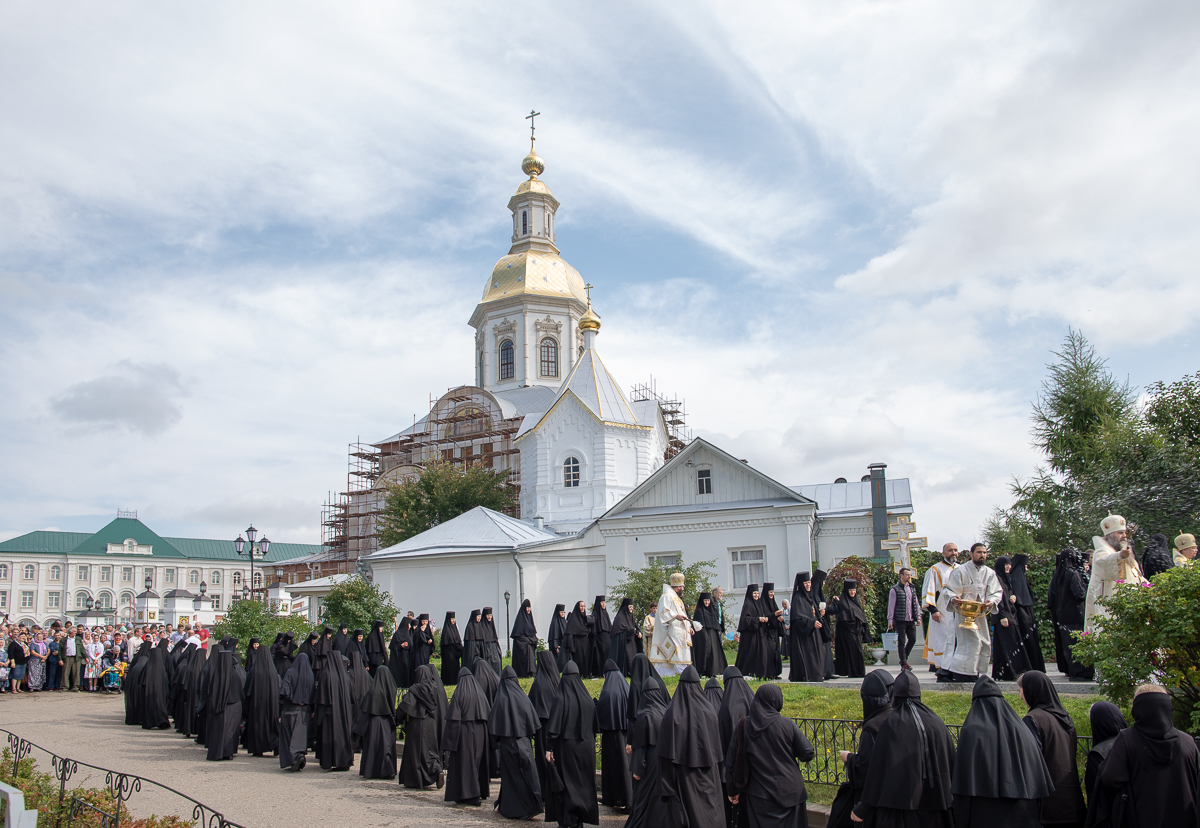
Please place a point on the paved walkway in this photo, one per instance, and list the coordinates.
(249, 791)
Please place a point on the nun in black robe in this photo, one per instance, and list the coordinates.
(689, 755)
(1157, 557)
(624, 636)
(999, 773)
(908, 782)
(851, 632)
(877, 706)
(556, 637)
(400, 653)
(775, 631)
(524, 641)
(578, 642)
(708, 652)
(640, 670)
(492, 653)
(1008, 651)
(422, 642)
(133, 683)
(1107, 722)
(185, 709)
(1068, 594)
(465, 738)
(601, 635)
(377, 653)
(342, 640)
(375, 728)
(489, 683)
(360, 685)
(612, 717)
(804, 643)
(752, 631)
(357, 644)
(452, 649)
(223, 706)
(198, 693)
(309, 643)
(1026, 620)
(649, 809)
(541, 696)
(714, 693)
(760, 765)
(296, 692)
(261, 709)
(818, 590)
(420, 713)
(284, 653)
(473, 640)
(1054, 729)
(332, 710)
(154, 694)
(571, 743)
(512, 723)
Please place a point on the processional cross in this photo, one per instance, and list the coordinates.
(900, 538)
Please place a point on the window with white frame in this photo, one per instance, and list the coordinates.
(81, 572)
(549, 355)
(53, 600)
(168, 576)
(215, 578)
(664, 558)
(3, 599)
(194, 576)
(507, 360)
(29, 572)
(104, 600)
(237, 579)
(216, 601)
(258, 579)
(704, 482)
(748, 567)
(81, 600)
(105, 574)
(571, 472)
(3, 572)
(127, 599)
(127, 574)
(55, 573)
(27, 600)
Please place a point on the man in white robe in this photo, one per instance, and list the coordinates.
(671, 646)
(969, 652)
(940, 630)
(1113, 561)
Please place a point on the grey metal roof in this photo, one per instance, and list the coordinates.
(850, 498)
(478, 530)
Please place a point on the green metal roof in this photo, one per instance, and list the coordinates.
(47, 542)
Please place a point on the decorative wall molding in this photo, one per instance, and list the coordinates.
(548, 325)
(662, 529)
(505, 328)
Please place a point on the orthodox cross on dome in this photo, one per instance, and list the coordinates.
(900, 538)
(532, 129)
(588, 289)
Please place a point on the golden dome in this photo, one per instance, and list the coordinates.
(589, 321)
(534, 272)
(532, 165)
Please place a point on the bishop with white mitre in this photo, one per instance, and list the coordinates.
(1113, 562)
(671, 647)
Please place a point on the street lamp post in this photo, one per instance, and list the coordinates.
(508, 620)
(252, 551)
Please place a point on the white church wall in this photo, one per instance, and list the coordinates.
(841, 537)
(679, 486)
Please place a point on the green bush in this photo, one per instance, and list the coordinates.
(644, 586)
(254, 619)
(358, 603)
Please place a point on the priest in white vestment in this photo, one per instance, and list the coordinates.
(1113, 562)
(940, 629)
(969, 652)
(671, 646)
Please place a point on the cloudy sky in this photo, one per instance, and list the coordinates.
(234, 239)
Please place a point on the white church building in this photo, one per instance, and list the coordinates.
(596, 490)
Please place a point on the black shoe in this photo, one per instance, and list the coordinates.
(441, 780)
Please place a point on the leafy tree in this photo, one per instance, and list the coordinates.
(1174, 410)
(644, 586)
(1151, 633)
(358, 604)
(441, 492)
(254, 619)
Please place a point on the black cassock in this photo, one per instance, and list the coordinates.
(261, 708)
(601, 636)
(541, 696)
(851, 630)
(908, 782)
(465, 739)
(524, 641)
(377, 651)
(999, 773)
(185, 697)
(491, 642)
(400, 653)
(804, 640)
(612, 717)
(571, 738)
(422, 642)
(473, 639)
(513, 722)
(625, 631)
(489, 683)
(760, 765)
(375, 728)
(708, 651)
(556, 638)
(420, 713)
(357, 644)
(649, 809)
(284, 653)
(133, 683)
(199, 693)
(360, 685)
(774, 633)
(1107, 722)
(223, 706)
(295, 697)
(639, 671)
(332, 719)
(818, 589)
(752, 653)
(689, 755)
(1068, 594)
(1009, 659)
(714, 694)
(452, 650)
(1049, 721)
(578, 640)
(1026, 620)
(877, 706)
(155, 693)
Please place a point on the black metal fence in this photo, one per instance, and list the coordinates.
(121, 787)
(828, 736)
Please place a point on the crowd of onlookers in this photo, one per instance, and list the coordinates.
(74, 657)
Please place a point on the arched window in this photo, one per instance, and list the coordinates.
(215, 579)
(571, 472)
(507, 362)
(104, 600)
(29, 572)
(55, 572)
(127, 599)
(237, 579)
(549, 358)
(81, 600)
(194, 577)
(524, 223)
(258, 581)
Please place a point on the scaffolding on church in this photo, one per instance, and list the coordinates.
(674, 413)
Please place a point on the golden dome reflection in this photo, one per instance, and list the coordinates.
(532, 165)
(589, 321)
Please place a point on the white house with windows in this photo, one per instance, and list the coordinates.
(49, 575)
